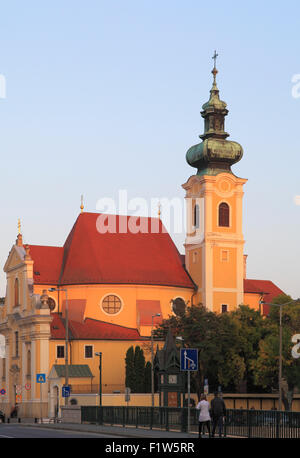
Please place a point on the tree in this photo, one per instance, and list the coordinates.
(216, 338)
(266, 366)
(136, 370)
(129, 369)
(139, 369)
(251, 331)
(231, 368)
(147, 377)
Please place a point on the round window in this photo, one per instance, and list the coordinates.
(51, 304)
(111, 304)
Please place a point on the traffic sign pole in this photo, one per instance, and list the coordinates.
(188, 363)
(41, 400)
(41, 378)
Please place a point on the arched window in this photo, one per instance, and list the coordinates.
(28, 363)
(17, 292)
(196, 216)
(224, 215)
(16, 344)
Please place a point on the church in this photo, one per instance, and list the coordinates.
(107, 290)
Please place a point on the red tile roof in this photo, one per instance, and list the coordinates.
(47, 263)
(264, 287)
(91, 329)
(91, 257)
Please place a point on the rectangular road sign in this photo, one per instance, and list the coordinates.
(65, 391)
(188, 359)
(40, 378)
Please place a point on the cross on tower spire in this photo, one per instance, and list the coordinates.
(214, 70)
(215, 58)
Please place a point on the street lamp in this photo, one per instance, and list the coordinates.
(181, 339)
(280, 344)
(100, 377)
(152, 359)
(66, 340)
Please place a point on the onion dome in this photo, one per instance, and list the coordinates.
(214, 154)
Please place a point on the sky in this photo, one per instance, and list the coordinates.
(103, 96)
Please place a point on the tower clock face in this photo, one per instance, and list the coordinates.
(172, 378)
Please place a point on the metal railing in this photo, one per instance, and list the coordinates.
(263, 424)
(238, 423)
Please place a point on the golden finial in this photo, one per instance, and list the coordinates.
(214, 70)
(159, 212)
(81, 206)
(19, 241)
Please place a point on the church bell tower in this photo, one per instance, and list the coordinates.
(214, 240)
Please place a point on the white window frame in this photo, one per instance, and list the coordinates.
(88, 357)
(60, 357)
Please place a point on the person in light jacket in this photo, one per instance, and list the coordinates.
(204, 416)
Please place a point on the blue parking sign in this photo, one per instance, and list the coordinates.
(65, 391)
(188, 359)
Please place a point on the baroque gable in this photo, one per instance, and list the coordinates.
(15, 259)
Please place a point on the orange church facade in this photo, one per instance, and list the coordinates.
(113, 285)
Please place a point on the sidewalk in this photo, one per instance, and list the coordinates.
(115, 431)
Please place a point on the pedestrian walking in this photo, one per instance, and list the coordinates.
(218, 413)
(204, 416)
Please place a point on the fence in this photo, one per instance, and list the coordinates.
(238, 423)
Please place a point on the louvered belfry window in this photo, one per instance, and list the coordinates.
(224, 215)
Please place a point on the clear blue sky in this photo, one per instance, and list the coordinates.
(103, 96)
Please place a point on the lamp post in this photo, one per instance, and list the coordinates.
(152, 359)
(280, 345)
(66, 340)
(181, 339)
(100, 377)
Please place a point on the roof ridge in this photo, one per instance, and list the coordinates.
(44, 246)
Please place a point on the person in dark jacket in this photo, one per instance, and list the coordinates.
(218, 412)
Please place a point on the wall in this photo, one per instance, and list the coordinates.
(232, 401)
(92, 296)
(116, 399)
